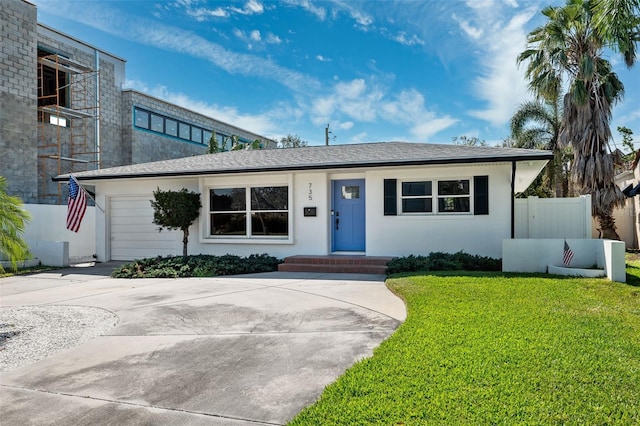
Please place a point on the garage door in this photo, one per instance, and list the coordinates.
(133, 233)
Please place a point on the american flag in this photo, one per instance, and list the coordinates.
(76, 206)
(567, 255)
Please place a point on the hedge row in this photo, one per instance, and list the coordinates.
(196, 266)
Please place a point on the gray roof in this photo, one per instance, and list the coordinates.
(381, 154)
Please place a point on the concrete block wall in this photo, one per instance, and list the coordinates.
(18, 98)
(148, 146)
(83, 98)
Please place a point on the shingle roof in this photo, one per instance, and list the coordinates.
(379, 154)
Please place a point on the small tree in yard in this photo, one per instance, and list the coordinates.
(13, 220)
(176, 210)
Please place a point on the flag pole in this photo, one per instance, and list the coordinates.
(87, 193)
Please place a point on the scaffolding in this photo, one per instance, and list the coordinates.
(68, 119)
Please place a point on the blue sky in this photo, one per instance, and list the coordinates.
(423, 71)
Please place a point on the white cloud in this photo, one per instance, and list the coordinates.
(273, 39)
(319, 12)
(502, 84)
(255, 36)
(200, 14)
(424, 131)
(359, 138)
(402, 38)
(150, 33)
(322, 58)
(356, 100)
(347, 125)
(254, 6)
(474, 33)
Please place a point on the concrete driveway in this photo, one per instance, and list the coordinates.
(240, 350)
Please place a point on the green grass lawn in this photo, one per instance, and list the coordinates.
(490, 348)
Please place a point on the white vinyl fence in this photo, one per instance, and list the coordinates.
(553, 217)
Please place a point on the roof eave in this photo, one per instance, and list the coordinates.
(446, 161)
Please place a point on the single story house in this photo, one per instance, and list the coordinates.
(376, 199)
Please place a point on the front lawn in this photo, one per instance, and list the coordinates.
(490, 348)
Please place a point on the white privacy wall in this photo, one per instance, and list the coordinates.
(49, 223)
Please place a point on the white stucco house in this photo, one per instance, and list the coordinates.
(375, 199)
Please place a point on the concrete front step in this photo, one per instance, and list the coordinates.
(336, 264)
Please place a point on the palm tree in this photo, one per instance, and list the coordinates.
(569, 47)
(12, 224)
(536, 125)
(618, 22)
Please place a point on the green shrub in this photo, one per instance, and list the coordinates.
(439, 261)
(196, 266)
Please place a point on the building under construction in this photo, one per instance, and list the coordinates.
(63, 109)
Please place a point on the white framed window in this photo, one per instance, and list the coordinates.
(435, 196)
(454, 196)
(417, 197)
(249, 212)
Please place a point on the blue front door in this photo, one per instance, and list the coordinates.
(347, 215)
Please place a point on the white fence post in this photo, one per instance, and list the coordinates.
(585, 205)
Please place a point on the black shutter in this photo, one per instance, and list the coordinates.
(481, 195)
(390, 197)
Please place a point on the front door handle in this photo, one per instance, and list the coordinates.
(337, 224)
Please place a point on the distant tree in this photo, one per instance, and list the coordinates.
(627, 143)
(536, 125)
(176, 210)
(292, 141)
(214, 147)
(231, 143)
(13, 219)
(468, 140)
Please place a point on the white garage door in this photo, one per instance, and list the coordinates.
(133, 233)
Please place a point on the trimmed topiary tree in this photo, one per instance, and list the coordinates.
(176, 210)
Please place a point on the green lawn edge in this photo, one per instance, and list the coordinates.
(495, 348)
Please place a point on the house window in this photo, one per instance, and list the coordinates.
(417, 197)
(228, 211)
(142, 119)
(453, 196)
(206, 136)
(171, 127)
(184, 131)
(270, 211)
(157, 123)
(196, 135)
(249, 212)
(350, 192)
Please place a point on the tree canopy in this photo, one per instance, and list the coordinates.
(292, 141)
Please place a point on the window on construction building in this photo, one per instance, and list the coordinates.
(53, 82)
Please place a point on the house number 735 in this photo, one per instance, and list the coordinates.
(310, 192)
